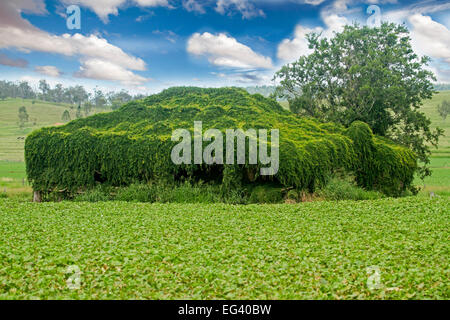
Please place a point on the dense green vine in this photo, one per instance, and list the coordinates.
(134, 144)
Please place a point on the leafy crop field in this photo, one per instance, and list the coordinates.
(321, 250)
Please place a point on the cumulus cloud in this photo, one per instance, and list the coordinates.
(292, 49)
(430, 37)
(18, 33)
(226, 51)
(10, 62)
(50, 71)
(105, 70)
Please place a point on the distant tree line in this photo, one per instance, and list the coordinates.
(76, 95)
(442, 86)
(267, 91)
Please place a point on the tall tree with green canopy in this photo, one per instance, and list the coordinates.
(444, 109)
(79, 114)
(365, 74)
(66, 116)
(23, 117)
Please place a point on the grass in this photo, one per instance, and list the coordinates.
(319, 250)
(430, 109)
(41, 114)
(12, 167)
(13, 180)
(439, 182)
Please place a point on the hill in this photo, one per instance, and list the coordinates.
(41, 114)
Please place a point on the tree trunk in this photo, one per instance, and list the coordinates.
(37, 196)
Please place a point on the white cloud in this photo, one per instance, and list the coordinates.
(226, 51)
(430, 37)
(238, 78)
(248, 8)
(427, 7)
(105, 70)
(18, 33)
(245, 7)
(96, 47)
(193, 6)
(105, 8)
(50, 71)
(292, 49)
(314, 2)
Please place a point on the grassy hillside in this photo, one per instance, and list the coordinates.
(321, 250)
(439, 182)
(430, 109)
(12, 166)
(42, 113)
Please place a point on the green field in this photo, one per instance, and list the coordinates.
(12, 167)
(41, 114)
(319, 250)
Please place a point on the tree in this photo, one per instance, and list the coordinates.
(116, 100)
(99, 98)
(58, 93)
(79, 94)
(365, 74)
(79, 114)
(65, 116)
(444, 109)
(45, 89)
(23, 117)
(25, 91)
(87, 108)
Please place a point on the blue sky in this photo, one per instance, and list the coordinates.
(147, 45)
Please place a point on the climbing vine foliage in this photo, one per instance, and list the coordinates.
(133, 144)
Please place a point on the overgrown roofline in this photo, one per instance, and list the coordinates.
(134, 144)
